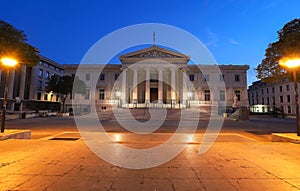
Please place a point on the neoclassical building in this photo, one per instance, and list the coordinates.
(158, 77)
(150, 77)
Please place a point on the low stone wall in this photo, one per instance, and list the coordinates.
(15, 134)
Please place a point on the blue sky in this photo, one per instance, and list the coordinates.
(235, 31)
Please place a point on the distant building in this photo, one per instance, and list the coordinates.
(266, 97)
(26, 89)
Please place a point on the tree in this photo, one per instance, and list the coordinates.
(287, 45)
(13, 43)
(66, 85)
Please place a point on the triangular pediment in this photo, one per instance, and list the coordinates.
(154, 52)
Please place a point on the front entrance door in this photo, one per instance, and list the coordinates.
(153, 94)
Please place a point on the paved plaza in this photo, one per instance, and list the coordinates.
(242, 158)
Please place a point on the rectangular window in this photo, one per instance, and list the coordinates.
(41, 73)
(206, 95)
(237, 77)
(238, 94)
(87, 94)
(288, 98)
(222, 95)
(268, 101)
(262, 91)
(87, 76)
(101, 94)
(280, 88)
(273, 98)
(192, 77)
(39, 85)
(102, 77)
(273, 90)
(281, 99)
(45, 97)
(206, 77)
(57, 97)
(289, 109)
(39, 96)
(117, 77)
(222, 78)
(287, 87)
(263, 101)
(267, 90)
(47, 75)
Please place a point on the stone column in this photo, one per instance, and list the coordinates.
(11, 84)
(173, 88)
(135, 88)
(147, 86)
(124, 90)
(184, 87)
(22, 81)
(22, 85)
(33, 84)
(160, 85)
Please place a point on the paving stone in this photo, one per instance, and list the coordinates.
(38, 183)
(190, 184)
(218, 185)
(262, 184)
(158, 184)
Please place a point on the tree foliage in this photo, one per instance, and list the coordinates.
(13, 43)
(287, 45)
(66, 85)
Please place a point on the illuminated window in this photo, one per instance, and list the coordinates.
(101, 94)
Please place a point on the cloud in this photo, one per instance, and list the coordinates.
(233, 41)
(212, 39)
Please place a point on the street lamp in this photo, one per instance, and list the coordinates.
(189, 95)
(293, 64)
(7, 63)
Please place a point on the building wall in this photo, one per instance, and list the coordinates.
(198, 86)
(28, 83)
(40, 74)
(277, 95)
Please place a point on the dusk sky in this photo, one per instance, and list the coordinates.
(235, 31)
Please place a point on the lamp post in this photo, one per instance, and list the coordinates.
(7, 63)
(293, 64)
